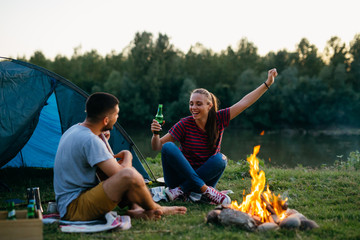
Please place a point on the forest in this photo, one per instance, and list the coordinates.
(314, 90)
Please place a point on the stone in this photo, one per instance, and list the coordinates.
(213, 216)
(231, 217)
(290, 223)
(308, 224)
(265, 227)
(298, 215)
(290, 212)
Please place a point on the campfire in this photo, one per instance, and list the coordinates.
(264, 206)
(261, 209)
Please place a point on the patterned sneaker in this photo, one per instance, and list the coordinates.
(173, 193)
(217, 197)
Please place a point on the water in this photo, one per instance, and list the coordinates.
(287, 148)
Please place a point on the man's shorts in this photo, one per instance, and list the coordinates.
(90, 205)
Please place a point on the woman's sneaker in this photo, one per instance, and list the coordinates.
(174, 193)
(217, 197)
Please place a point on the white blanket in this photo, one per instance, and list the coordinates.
(112, 221)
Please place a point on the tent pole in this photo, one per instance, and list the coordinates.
(142, 156)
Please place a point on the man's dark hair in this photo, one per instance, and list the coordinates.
(99, 104)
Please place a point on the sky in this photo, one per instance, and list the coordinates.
(56, 27)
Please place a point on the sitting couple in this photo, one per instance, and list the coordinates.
(196, 166)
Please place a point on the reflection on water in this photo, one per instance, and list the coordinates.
(281, 148)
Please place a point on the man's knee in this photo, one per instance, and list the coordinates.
(130, 177)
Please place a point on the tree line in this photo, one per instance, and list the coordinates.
(313, 89)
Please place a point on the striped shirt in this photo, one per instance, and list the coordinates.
(193, 140)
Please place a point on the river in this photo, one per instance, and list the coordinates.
(285, 148)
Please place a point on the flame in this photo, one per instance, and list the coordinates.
(262, 133)
(255, 203)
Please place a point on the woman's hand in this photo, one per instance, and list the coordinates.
(253, 96)
(155, 126)
(272, 73)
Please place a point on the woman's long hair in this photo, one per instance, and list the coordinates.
(211, 126)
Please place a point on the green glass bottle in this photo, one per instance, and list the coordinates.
(31, 211)
(159, 117)
(32, 202)
(11, 211)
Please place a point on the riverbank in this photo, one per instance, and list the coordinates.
(329, 196)
(286, 148)
(334, 131)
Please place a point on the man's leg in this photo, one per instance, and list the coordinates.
(129, 185)
(86, 206)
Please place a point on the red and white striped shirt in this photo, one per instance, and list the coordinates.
(193, 140)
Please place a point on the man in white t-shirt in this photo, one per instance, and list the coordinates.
(81, 152)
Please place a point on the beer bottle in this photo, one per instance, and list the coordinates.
(33, 202)
(11, 211)
(159, 117)
(31, 211)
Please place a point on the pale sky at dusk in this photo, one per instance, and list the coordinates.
(57, 27)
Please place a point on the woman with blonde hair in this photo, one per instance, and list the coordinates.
(198, 164)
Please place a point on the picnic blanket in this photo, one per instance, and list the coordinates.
(111, 221)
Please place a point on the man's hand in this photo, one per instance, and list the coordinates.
(125, 158)
(106, 134)
(112, 166)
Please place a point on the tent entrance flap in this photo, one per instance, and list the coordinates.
(41, 148)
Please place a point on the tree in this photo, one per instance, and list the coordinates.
(354, 78)
(336, 52)
(285, 112)
(180, 108)
(38, 58)
(308, 61)
(140, 55)
(247, 55)
(245, 83)
(227, 64)
(62, 66)
(114, 83)
(167, 68)
(115, 61)
(281, 60)
(224, 93)
(200, 65)
(93, 70)
(134, 110)
(310, 92)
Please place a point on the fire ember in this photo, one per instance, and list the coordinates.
(260, 210)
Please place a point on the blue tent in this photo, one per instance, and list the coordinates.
(36, 107)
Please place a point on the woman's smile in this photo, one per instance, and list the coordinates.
(198, 106)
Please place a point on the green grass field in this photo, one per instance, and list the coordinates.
(329, 196)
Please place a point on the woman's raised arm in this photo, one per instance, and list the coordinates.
(253, 96)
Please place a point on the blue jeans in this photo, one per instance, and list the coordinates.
(179, 172)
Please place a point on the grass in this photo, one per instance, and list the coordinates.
(330, 196)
